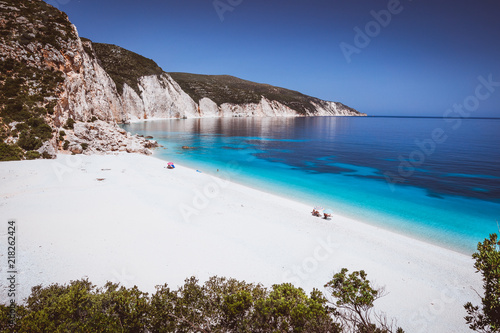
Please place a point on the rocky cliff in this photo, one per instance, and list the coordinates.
(149, 93)
(54, 96)
(62, 93)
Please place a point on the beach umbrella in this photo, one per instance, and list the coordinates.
(170, 163)
(328, 211)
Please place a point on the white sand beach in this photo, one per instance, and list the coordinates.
(126, 218)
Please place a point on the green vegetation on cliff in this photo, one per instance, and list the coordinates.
(124, 66)
(25, 101)
(29, 84)
(229, 89)
(127, 67)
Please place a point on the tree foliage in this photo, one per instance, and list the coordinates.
(353, 298)
(218, 305)
(487, 317)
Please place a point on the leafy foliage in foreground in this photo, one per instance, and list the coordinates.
(219, 305)
(487, 318)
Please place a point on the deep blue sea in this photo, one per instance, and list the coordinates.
(433, 179)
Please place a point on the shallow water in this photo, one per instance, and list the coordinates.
(429, 178)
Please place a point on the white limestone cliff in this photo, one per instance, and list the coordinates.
(88, 91)
(161, 97)
(89, 96)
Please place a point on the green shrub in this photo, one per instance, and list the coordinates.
(10, 152)
(28, 141)
(22, 127)
(85, 146)
(486, 318)
(15, 111)
(12, 87)
(46, 155)
(70, 124)
(32, 155)
(66, 145)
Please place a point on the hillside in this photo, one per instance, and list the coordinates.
(125, 66)
(30, 79)
(53, 96)
(229, 89)
(62, 93)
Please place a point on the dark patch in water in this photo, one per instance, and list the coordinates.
(232, 148)
(434, 195)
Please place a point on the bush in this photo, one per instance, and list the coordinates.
(27, 141)
(10, 152)
(219, 305)
(70, 123)
(15, 111)
(85, 146)
(46, 156)
(66, 145)
(487, 318)
(32, 155)
(40, 129)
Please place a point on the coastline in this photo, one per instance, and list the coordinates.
(144, 225)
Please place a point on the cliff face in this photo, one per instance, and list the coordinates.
(88, 91)
(160, 97)
(147, 92)
(53, 94)
(55, 88)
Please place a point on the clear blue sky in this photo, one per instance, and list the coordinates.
(423, 61)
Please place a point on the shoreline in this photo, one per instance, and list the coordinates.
(146, 225)
(378, 223)
(138, 121)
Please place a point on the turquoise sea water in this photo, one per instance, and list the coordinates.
(429, 178)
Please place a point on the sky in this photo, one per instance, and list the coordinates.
(401, 58)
